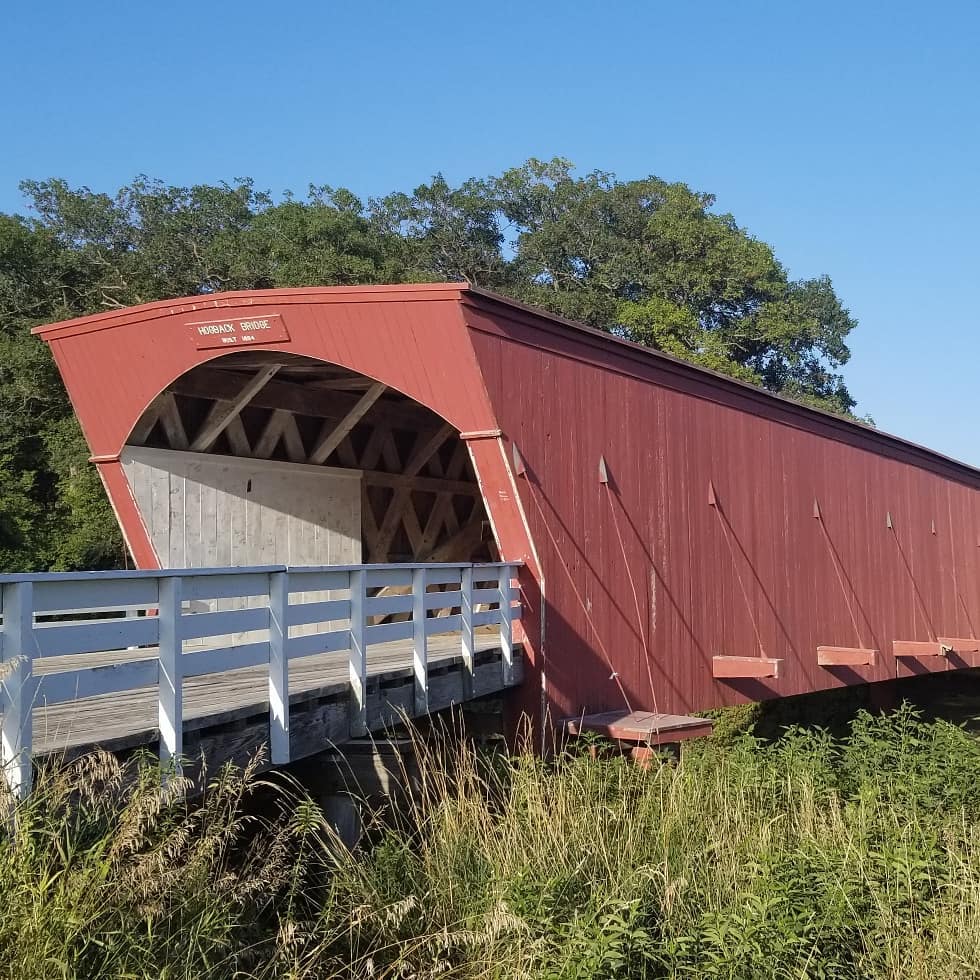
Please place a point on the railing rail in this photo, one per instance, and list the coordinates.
(190, 622)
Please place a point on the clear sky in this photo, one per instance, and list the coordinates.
(843, 133)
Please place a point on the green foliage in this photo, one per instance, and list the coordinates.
(644, 259)
(807, 856)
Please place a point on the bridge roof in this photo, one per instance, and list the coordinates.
(749, 397)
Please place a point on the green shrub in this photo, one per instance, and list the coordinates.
(807, 856)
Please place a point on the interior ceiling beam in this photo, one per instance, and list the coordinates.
(427, 484)
(301, 399)
(223, 412)
(331, 436)
(341, 384)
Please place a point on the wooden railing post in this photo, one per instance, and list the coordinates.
(420, 643)
(16, 658)
(278, 668)
(506, 625)
(358, 654)
(171, 713)
(468, 637)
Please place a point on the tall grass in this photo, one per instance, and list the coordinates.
(805, 857)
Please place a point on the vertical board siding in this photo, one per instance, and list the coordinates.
(206, 511)
(644, 582)
(757, 574)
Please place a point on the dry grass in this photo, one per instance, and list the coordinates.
(803, 858)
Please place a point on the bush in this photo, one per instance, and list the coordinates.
(808, 856)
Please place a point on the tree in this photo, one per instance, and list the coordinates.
(53, 511)
(645, 259)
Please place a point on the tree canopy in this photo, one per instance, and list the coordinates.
(648, 260)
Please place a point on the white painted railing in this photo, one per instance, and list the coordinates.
(210, 621)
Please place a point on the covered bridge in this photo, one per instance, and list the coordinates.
(687, 540)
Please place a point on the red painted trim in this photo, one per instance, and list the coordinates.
(127, 514)
(253, 297)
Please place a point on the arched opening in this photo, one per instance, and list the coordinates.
(276, 448)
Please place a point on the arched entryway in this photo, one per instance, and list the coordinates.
(297, 429)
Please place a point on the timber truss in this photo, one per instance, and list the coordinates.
(420, 498)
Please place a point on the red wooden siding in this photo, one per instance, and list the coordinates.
(704, 541)
(756, 574)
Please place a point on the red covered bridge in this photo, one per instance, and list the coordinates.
(687, 540)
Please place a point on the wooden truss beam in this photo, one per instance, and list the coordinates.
(237, 438)
(422, 453)
(296, 397)
(224, 412)
(173, 427)
(331, 436)
(429, 484)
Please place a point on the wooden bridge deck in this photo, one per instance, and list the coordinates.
(213, 664)
(129, 718)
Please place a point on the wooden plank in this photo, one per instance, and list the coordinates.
(17, 651)
(429, 484)
(357, 655)
(171, 681)
(66, 596)
(332, 641)
(222, 412)
(400, 501)
(143, 428)
(443, 600)
(292, 440)
(223, 660)
(913, 649)
(91, 682)
(130, 717)
(386, 605)
(237, 438)
(648, 727)
(723, 667)
(57, 639)
(386, 632)
(228, 586)
(297, 398)
(271, 434)
(223, 623)
(960, 645)
(173, 426)
(279, 668)
(504, 613)
(327, 611)
(467, 631)
(420, 655)
(443, 624)
(331, 435)
(421, 454)
(846, 657)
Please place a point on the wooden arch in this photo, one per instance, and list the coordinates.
(420, 497)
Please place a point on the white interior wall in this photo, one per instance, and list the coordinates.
(205, 511)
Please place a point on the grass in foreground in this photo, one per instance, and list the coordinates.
(806, 857)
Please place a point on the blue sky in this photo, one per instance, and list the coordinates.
(844, 134)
